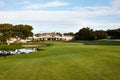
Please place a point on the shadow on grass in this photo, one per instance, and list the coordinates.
(101, 42)
(39, 49)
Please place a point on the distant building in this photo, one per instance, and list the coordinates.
(41, 37)
(16, 40)
(49, 37)
(68, 38)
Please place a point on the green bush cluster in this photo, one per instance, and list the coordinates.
(10, 47)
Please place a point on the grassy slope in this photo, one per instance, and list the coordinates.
(65, 61)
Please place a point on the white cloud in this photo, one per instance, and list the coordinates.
(60, 20)
(63, 16)
(116, 4)
(114, 9)
(97, 8)
(51, 16)
(46, 5)
(55, 20)
(24, 3)
(1, 3)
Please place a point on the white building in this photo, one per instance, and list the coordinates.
(50, 37)
(68, 38)
(16, 40)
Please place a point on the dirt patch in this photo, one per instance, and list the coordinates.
(34, 45)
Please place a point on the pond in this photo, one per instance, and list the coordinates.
(18, 51)
(25, 50)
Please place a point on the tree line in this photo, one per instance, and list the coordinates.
(90, 34)
(114, 33)
(8, 31)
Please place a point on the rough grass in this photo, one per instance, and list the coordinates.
(65, 61)
(10, 47)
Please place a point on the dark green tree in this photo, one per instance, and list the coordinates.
(2, 39)
(85, 34)
(58, 33)
(23, 31)
(8, 31)
(100, 34)
(114, 33)
(69, 34)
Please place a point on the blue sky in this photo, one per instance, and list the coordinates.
(61, 15)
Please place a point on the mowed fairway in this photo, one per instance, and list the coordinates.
(83, 60)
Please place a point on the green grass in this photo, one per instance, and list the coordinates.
(18, 46)
(10, 47)
(80, 60)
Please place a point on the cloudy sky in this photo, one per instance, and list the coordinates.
(61, 15)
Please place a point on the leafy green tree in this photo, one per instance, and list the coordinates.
(8, 31)
(114, 33)
(70, 34)
(100, 34)
(2, 39)
(6, 27)
(58, 33)
(23, 31)
(85, 34)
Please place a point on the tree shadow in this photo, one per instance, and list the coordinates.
(101, 42)
(40, 49)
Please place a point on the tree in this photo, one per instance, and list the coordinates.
(8, 31)
(23, 31)
(58, 33)
(85, 34)
(69, 34)
(2, 39)
(100, 34)
(114, 33)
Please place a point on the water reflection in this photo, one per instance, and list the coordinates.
(18, 51)
(24, 50)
